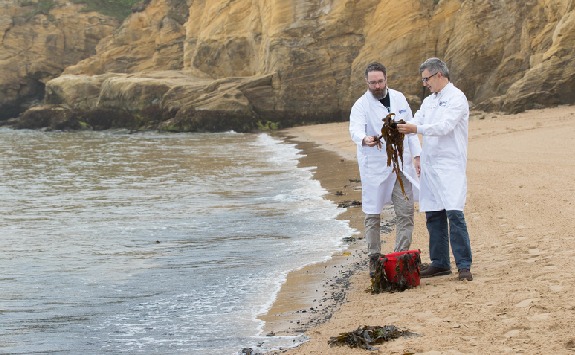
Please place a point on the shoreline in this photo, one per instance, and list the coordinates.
(519, 211)
(311, 294)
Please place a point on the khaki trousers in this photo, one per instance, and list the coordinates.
(404, 211)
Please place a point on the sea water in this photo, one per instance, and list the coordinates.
(112, 242)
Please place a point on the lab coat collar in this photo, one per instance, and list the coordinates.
(445, 89)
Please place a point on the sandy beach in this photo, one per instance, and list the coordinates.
(520, 214)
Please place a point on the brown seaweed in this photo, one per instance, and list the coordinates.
(393, 145)
(366, 336)
(346, 204)
(380, 282)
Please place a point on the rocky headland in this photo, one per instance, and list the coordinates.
(195, 66)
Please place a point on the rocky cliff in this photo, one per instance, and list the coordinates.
(236, 64)
(38, 39)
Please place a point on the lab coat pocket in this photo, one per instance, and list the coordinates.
(374, 165)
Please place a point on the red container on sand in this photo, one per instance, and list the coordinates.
(403, 267)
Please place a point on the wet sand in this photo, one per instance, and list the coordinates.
(310, 295)
(520, 214)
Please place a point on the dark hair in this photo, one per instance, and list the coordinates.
(435, 65)
(375, 66)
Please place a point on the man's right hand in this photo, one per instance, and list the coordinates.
(407, 128)
(370, 141)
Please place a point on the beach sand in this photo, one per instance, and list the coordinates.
(520, 213)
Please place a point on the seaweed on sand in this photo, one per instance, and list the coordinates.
(366, 336)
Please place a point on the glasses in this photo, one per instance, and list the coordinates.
(425, 80)
(374, 83)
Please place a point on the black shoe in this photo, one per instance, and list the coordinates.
(432, 271)
(465, 274)
(423, 266)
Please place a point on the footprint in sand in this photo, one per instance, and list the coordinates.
(549, 266)
(512, 333)
(556, 288)
(534, 252)
(526, 303)
(516, 332)
(539, 317)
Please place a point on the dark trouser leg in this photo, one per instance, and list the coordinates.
(459, 238)
(436, 222)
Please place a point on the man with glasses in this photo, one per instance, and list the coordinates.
(379, 183)
(442, 120)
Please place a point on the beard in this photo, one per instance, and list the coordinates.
(378, 93)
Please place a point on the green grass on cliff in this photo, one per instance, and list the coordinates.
(40, 7)
(119, 9)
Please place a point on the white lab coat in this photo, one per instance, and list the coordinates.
(378, 179)
(443, 121)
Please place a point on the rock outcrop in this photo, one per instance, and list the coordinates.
(204, 66)
(38, 40)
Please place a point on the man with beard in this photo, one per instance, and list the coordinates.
(379, 183)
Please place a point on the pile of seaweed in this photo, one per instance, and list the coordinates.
(405, 266)
(366, 336)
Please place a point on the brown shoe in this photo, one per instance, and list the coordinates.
(432, 271)
(465, 274)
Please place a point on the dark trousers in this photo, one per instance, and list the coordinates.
(447, 227)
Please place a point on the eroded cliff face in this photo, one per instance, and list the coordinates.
(37, 42)
(217, 65)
